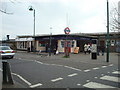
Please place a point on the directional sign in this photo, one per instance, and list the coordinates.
(67, 30)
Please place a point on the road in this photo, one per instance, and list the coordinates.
(34, 71)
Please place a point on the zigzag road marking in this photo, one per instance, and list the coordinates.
(57, 79)
(36, 85)
(71, 75)
(28, 83)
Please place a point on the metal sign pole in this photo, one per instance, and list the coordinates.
(108, 38)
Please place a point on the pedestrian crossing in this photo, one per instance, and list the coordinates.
(97, 85)
(108, 78)
(116, 72)
(111, 78)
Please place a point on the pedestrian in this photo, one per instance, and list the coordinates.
(32, 48)
(28, 49)
(103, 50)
(89, 48)
(54, 51)
(85, 48)
(98, 50)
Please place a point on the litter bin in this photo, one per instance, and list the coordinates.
(94, 55)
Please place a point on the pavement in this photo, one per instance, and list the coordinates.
(15, 85)
(75, 61)
(81, 61)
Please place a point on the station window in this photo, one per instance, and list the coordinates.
(69, 45)
(73, 43)
(62, 44)
(41, 44)
(21, 45)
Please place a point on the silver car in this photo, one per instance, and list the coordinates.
(6, 52)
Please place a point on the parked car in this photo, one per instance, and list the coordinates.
(6, 52)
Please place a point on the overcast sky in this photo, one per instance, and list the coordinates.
(53, 16)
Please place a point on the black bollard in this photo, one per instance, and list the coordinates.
(4, 72)
(10, 79)
(7, 77)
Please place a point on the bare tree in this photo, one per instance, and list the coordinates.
(115, 18)
(4, 11)
(3, 6)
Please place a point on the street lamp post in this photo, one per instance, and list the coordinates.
(32, 9)
(108, 37)
(50, 43)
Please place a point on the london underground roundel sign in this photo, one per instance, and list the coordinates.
(67, 30)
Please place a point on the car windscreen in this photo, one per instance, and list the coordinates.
(5, 48)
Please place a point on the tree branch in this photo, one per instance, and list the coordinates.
(5, 12)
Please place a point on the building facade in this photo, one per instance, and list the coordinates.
(46, 43)
(114, 40)
(24, 42)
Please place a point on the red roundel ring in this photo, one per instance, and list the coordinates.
(67, 30)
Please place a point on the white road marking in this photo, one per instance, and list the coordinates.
(46, 64)
(110, 78)
(87, 80)
(78, 84)
(36, 85)
(54, 64)
(60, 65)
(102, 74)
(71, 75)
(57, 79)
(116, 72)
(72, 68)
(95, 77)
(111, 65)
(96, 85)
(87, 70)
(96, 68)
(104, 66)
(39, 62)
(57, 65)
(28, 83)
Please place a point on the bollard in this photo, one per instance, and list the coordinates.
(10, 79)
(4, 72)
(94, 49)
(7, 77)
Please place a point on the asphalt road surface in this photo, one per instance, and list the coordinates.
(33, 73)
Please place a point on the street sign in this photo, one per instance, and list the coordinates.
(67, 30)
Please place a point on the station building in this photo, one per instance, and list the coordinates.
(44, 42)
